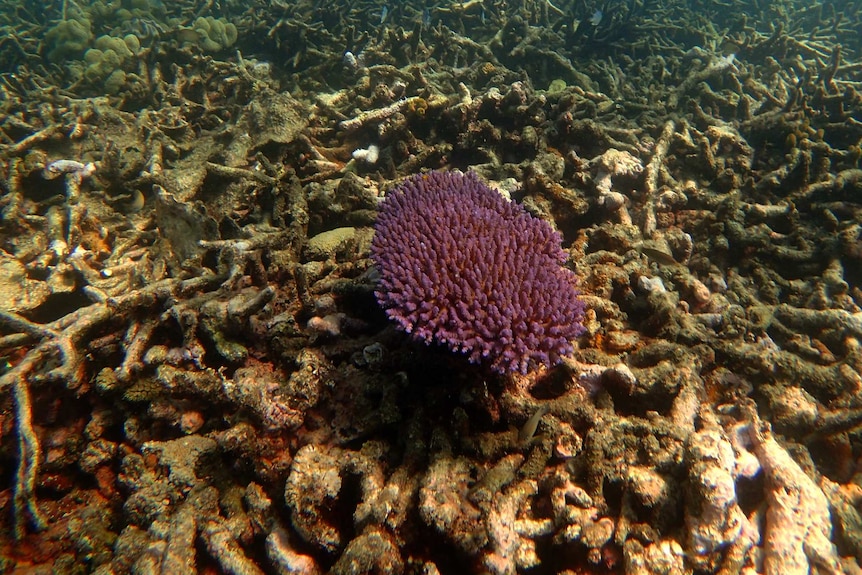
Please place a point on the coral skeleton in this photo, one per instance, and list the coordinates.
(219, 219)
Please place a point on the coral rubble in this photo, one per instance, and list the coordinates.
(196, 375)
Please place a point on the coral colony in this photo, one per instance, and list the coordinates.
(462, 266)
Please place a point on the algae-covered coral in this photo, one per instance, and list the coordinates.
(197, 376)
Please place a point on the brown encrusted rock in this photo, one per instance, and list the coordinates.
(713, 516)
(325, 245)
(373, 552)
(17, 292)
(314, 488)
(311, 490)
(274, 117)
(443, 505)
(261, 389)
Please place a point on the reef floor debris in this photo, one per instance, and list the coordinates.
(196, 375)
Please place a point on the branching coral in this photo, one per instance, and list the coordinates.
(462, 266)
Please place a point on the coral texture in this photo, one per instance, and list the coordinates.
(461, 265)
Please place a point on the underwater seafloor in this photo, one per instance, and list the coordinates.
(196, 376)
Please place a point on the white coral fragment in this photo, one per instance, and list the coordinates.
(713, 517)
(615, 163)
(798, 533)
(78, 170)
(369, 155)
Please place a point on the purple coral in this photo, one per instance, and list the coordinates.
(461, 265)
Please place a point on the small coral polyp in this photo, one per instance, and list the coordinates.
(461, 265)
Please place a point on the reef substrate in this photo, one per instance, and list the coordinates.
(196, 377)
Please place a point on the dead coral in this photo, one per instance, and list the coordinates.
(798, 522)
(192, 289)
